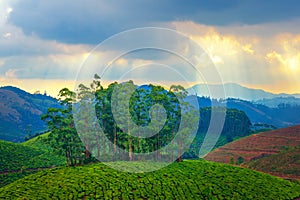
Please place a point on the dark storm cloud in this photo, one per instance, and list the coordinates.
(92, 21)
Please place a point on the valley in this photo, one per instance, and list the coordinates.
(250, 160)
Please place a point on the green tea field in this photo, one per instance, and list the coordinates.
(197, 179)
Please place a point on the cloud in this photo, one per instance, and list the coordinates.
(11, 73)
(250, 59)
(2, 62)
(28, 56)
(5, 10)
(287, 53)
(93, 21)
(42, 67)
(14, 42)
(251, 42)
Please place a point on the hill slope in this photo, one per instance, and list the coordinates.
(13, 156)
(187, 180)
(283, 115)
(20, 113)
(285, 164)
(21, 159)
(279, 116)
(29, 155)
(274, 152)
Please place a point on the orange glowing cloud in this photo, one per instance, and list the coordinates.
(287, 53)
(270, 61)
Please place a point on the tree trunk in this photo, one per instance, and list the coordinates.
(130, 149)
(115, 139)
(98, 146)
(179, 159)
(87, 153)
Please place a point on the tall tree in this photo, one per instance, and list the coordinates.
(63, 135)
(184, 135)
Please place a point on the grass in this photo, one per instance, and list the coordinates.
(187, 180)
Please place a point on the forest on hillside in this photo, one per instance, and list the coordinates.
(125, 121)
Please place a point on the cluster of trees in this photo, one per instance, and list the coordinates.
(144, 127)
(127, 122)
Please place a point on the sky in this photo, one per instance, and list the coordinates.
(44, 44)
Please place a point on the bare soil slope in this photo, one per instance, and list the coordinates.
(275, 152)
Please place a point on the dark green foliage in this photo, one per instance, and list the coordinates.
(139, 107)
(232, 160)
(141, 100)
(185, 180)
(240, 160)
(63, 136)
(236, 125)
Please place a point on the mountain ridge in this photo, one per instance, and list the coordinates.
(20, 113)
(234, 90)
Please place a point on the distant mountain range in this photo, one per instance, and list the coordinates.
(279, 101)
(20, 113)
(233, 90)
(283, 115)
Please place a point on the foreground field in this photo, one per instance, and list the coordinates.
(275, 152)
(186, 180)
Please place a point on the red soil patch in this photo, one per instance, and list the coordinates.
(257, 146)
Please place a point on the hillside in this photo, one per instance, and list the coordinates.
(275, 152)
(280, 116)
(279, 101)
(13, 156)
(18, 160)
(285, 164)
(186, 180)
(20, 113)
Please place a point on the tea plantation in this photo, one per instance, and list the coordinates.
(20, 159)
(186, 180)
(29, 155)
